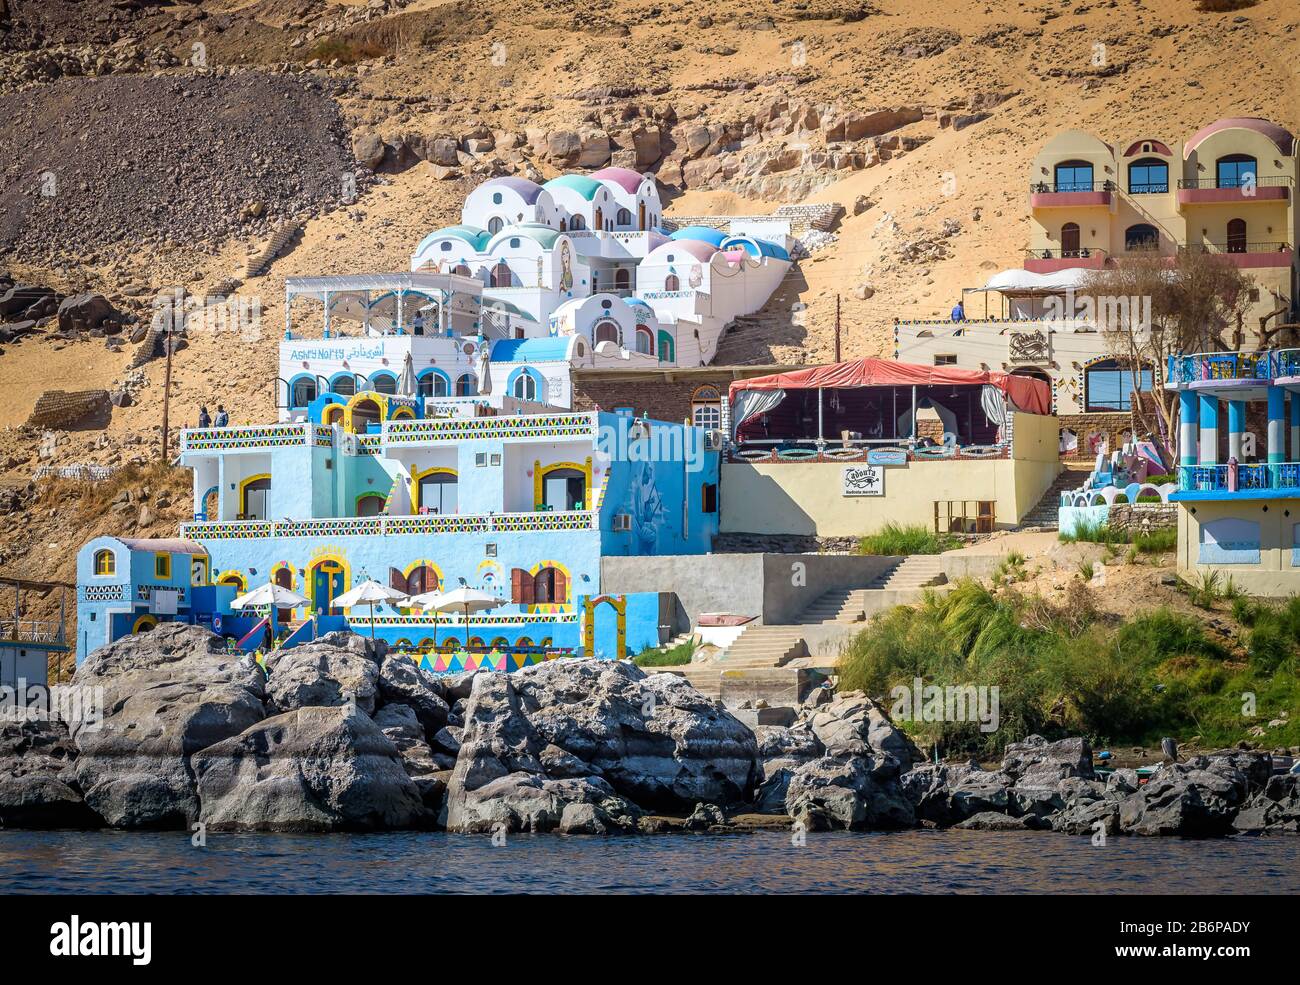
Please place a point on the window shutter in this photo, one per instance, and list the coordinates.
(430, 579)
(396, 580)
(561, 587)
(528, 589)
(517, 578)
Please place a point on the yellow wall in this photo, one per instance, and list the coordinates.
(1274, 576)
(807, 497)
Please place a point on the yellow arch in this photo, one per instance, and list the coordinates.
(316, 562)
(380, 400)
(232, 575)
(619, 605)
(243, 489)
(540, 472)
(401, 412)
(331, 411)
(553, 607)
(145, 622)
(416, 476)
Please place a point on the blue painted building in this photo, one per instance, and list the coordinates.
(1238, 490)
(521, 506)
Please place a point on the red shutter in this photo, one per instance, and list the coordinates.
(527, 589)
(430, 579)
(560, 587)
(396, 580)
(517, 578)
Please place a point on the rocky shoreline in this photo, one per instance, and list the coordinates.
(345, 736)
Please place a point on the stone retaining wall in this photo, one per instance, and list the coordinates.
(61, 409)
(1135, 518)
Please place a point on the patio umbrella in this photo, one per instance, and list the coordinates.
(276, 596)
(406, 384)
(484, 369)
(461, 599)
(370, 593)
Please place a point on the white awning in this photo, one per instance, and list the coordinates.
(1016, 281)
(319, 287)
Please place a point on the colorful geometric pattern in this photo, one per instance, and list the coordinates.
(547, 426)
(456, 663)
(430, 523)
(263, 436)
(142, 592)
(445, 621)
(370, 444)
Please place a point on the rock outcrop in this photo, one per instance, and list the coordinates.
(35, 788)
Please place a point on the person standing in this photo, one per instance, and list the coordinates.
(223, 418)
(417, 324)
(205, 419)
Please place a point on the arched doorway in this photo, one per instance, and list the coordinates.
(283, 577)
(622, 279)
(1070, 239)
(640, 216)
(254, 498)
(1236, 235)
(605, 331)
(564, 489)
(500, 275)
(364, 414)
(326, 583)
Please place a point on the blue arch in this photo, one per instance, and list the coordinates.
(426, 373)
(372, 382)
(538, 379)
(345, 376)
(311, 378)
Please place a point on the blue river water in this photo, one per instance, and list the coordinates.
(767, 861)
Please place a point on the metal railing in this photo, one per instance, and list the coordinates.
(417, 523)
(1238, 246)
(1238, 478)
(1258, 181)
(1082, 253)
(1204, 367)
(1067, 187)
(31, 630)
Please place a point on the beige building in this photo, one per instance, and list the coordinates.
(1229, 190)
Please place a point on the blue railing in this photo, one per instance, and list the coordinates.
(1204, 367)
(1217, 478)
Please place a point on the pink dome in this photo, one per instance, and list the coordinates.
(625, 178)
(1280, 136)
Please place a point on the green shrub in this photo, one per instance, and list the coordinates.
(1159, 541)
(895, 540)
(1160, 480)
(680, 654)
(1093, 532)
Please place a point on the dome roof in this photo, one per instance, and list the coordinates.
(473, 236)
(756, 247)
(540, 233)
(580, 183)
(625, 178)
(1280, 135)
(705, 234)
(694, 248)
(525, 189)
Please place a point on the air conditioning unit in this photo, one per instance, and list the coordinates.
(714, 440)
(622, 522)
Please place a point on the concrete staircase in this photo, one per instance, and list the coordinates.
(913, 572)
(1044, 516)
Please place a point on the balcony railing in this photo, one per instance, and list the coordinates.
(1256, 476)
(1239, 246)
(371, 526)
(254, 436)
(1204, 367)
(1082, 253)
(1258, 181)
(1069, 187)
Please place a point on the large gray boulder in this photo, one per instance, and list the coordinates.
(781, 751)
(318, 675)
(591, 732)
(422, 764)
(166, 694)
(979, 792)
(860, 793)
(854, 725)
(1274, 810)
(401, 681)
(34, 775)
(310, 769)
(1181, 801)
(1036, 762)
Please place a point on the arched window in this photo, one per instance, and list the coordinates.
(423, 578)
(622, 279)
(645, 342)
(706, 408)
(623, 218)
(466, 385)
(565, 489)
(1070, 239)
(501, 275)
(344, 386)
(364, 414)
(1073, 176)
(1108, 386)
(671, 283)
(525, 387)
(1142, 238)
(1235, 170)
(438, 492)
(256, 496)
(549, 587)
(1236, 235)
(1149, 176)
(605, 331)
(370, 504)
(494, 225)
(576, 222)
(433, 385)
(105, 563)
(303, 393)
(383, 383)
(599, 222)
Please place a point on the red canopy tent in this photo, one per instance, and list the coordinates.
(1025, 394)
(880, 397)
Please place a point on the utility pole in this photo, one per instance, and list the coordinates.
(167, 377)
(837, 328)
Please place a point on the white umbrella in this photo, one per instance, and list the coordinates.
(484, 368)
(370, 593)
(461, 599)
(276, 596)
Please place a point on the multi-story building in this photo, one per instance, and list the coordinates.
(1227, 191)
